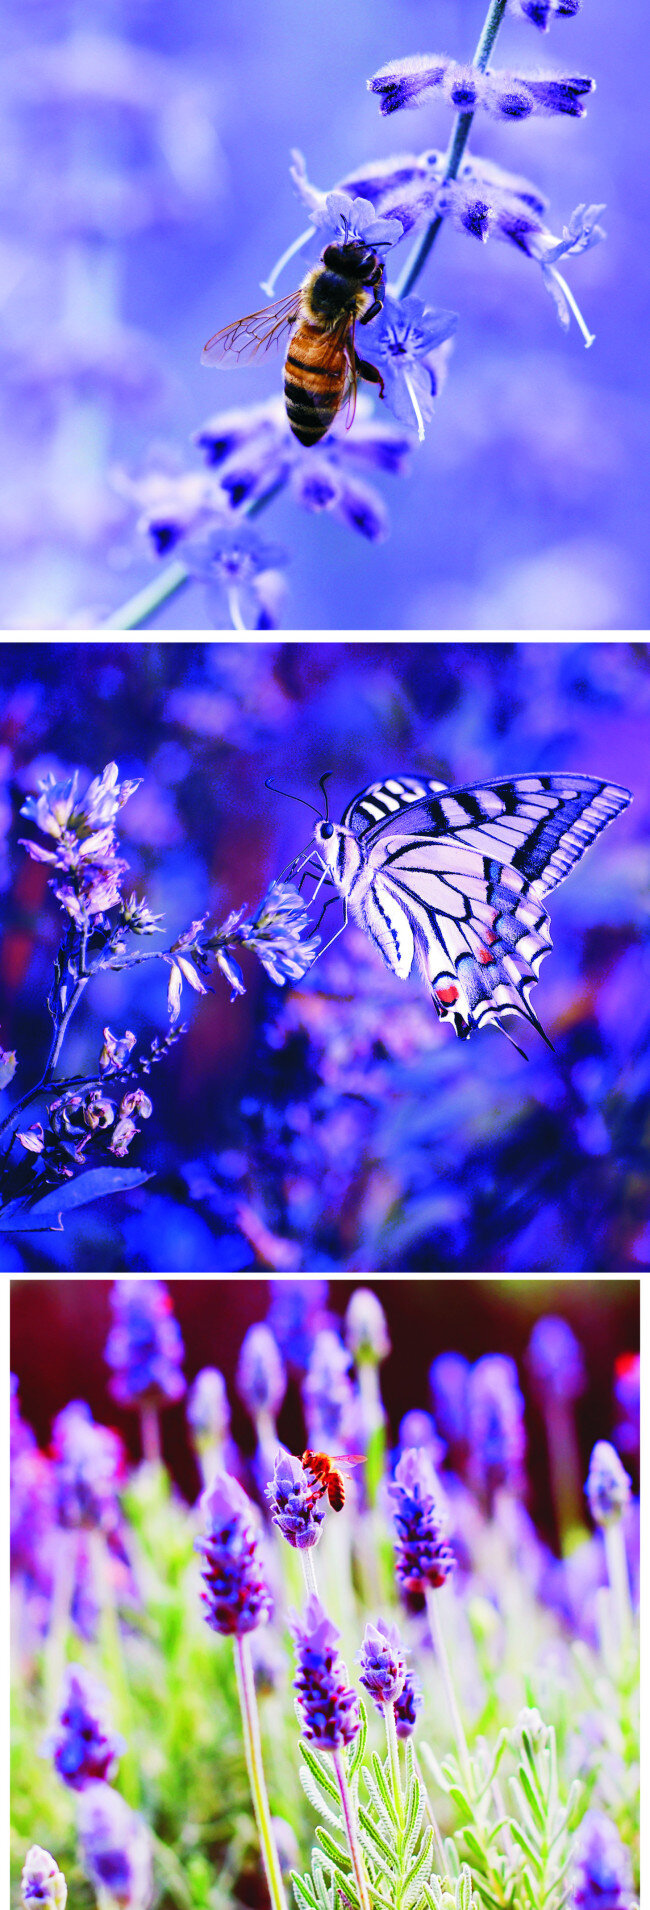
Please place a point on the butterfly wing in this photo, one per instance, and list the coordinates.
(459, 876)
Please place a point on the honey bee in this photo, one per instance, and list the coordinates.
(322, 365)
(326, 1475)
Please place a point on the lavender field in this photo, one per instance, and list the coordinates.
(246, 1673)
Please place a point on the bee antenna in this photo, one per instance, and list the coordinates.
(289, 792)
(322, 780)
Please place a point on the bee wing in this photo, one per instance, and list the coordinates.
(252, 337)
(348, 1458)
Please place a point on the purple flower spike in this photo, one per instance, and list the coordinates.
(88, 1462)
(208, 1412)
(296, 1314)
(327, 1394)
(449, 1381)
(237, 1597)
(84, 1748)
(115, 1848)
(366, 1332)
(423, 1557)
(328, 1710)
(601, 1879)
(608, 1485)
(555, 1359)
(495, 1409)
(291, 1498)
(261, 1378)
(418, 1429)
(144, 1346)
(43, 1885)
(383, 1667)
(406, 1707)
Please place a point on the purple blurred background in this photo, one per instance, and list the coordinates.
(338, 1127)
(59, 1331)
(146, 194)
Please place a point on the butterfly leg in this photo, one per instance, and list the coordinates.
(334, 938)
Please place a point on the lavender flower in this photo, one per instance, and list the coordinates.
(328, 1710)
(43, 1885)
(422, 1555)
(84, 1748)
(449, 1383)
(601, 1875)
(115, 1848)
(88, 1463)
(144, 1346)
(366, 1331)
(261, 1378)
(291, 1498)
(401, 343)
(418, 1429)
(627, 1393)
(275, 932)
(555, 1359)
(83, 830)
(208, 1412)
(327, 1393)
(383, 1666)
(411, 81)
(541, 12)
(296, 1314)
(495, 1412)
(256, 450)
(237, 1597)
(608, 1485)
(406, 1707)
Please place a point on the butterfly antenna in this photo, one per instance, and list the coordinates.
(288, 792)
(322, 780)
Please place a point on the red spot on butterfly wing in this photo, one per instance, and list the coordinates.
(447, 995)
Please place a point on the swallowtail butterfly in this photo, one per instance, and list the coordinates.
(454, 879)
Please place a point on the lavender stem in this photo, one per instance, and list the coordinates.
(255, 1767)
(435, 1626)
(351, 1831)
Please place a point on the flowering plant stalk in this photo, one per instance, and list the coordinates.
(60, 1163)
(207, 521)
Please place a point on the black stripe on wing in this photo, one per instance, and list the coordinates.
(389, 800)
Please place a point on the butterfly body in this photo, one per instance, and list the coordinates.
(453, 880)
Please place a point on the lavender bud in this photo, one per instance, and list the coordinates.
(541, 12)
(418, 1429)
(88, 1461)
(293, 1507)
(495, 1426)
(601, 1877)
(608, 1485)
(43, 1885)
(422, 1555)
(296, 1314)
(261, 1379)
(84, 1748)
(555, 1359)
(366, 1332)
(328, 1710)
(115, 1848)
(237, 1597)
(407, 82)
(327, 1393)
(406, 1707)
(144, 1346)
(449, 1382)
(383, 1667)
(208, 1413)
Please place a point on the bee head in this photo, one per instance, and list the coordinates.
(352, 259)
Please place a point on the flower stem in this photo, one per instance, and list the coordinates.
(253, 1749)
(393, 1754)
(307, 1563)
(140, 608)
(459, 137)
(66, 1552)
(619, 1580)
(435, 1627)
(564, 1466)
(351, 1831)
(150, 1433)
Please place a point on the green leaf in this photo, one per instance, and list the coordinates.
(381, 1780)
(320, 1772)
(524, 1843)
(337, 1856)
(532, 1799)
(92, 1185)
(314, 1793)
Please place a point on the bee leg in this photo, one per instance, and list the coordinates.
(369, 372)
(372, 309)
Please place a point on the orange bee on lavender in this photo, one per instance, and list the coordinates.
(327, 1476)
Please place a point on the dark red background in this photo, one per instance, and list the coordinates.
(59, 1329)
